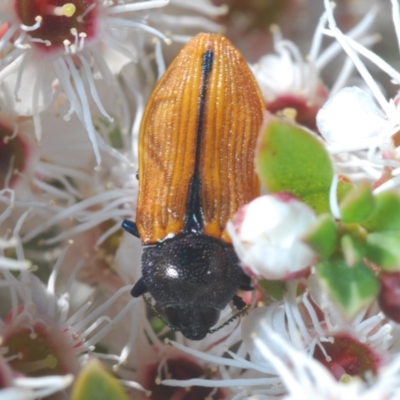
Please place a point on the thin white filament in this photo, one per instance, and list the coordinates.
(333, 202)
(143, 5)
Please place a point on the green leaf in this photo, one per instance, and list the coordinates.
(386, 216)
(96, 383)
(358, 205)
(114, 132)
(353, 250)
(292, 160)
(383, 249)
(158, 326)
(115, 137)
(323, 236)
(275, 289)
(344, 187)
(351, 287)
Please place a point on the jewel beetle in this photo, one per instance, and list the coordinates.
(196, 168)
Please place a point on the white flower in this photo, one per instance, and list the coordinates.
(65, 321)
(267, 236)
(313, 324)
(153, 362)
(305, 378)
(166, 362)
(23, 388)
(108, 197)
(182, 17)
(17, 150)
(61, 175)
(241, 375)
(350, 117)
(305, 329)
(352, 121)
(47, 48)
(10, 263)
(288, 80)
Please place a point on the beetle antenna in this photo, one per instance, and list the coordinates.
(131, 227)
(140, 288)
(148, 301)
(238, 314)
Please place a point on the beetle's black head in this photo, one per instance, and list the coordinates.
(193, 321)
(192, 277)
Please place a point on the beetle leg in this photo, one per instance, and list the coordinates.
(246, 287)
(238, 302)
(130, 227)
(245, 283)
(140, 288)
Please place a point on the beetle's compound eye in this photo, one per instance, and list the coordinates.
(194, 322)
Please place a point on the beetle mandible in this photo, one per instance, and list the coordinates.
(196, 168)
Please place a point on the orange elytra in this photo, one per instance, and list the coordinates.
(196, 168)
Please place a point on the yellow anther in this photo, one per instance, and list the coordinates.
(345, 378)
(289, 113)
(68, 9)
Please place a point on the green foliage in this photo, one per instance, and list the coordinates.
(344, 187)
(351, 287)
(358, 205)
(290, 159)
(353, 250)
(367, 234)
(96, 383)
(323, 236)
(386, 216)
(383, 249)
(275, 289)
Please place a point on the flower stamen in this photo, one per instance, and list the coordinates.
(137, 6)
(82, 37)
(7, 36)
(46, 42)
(67, 45)
(35, 26)
(67, 10)
(74, 47)
(18, 42)
(79, 18)
(18, 356)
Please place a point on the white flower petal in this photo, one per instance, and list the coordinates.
(267, 236)
(21, 92)
(349, 117)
